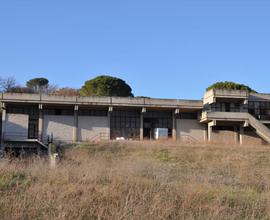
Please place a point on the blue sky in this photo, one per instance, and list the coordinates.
(166, 49)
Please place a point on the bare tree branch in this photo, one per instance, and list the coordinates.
(6, 84)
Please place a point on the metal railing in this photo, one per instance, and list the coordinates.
(15, 136)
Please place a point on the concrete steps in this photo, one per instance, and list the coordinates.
(27, 145)
(261, 129)
(248, 119)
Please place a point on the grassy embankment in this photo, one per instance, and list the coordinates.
(140, 181)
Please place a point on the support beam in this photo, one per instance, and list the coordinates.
(205, 138)
(236, 139)
(2, 147)
(241, 135)
(141, 126)
(210, 129)
(40, 123)
(173, 126)
(109, 121)
(212, 123)
(75, 126)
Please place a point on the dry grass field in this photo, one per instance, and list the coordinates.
(135, 180)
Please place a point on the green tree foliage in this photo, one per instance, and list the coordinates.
(230, 86)
(143, 97)
(38, 84)
(106, 86)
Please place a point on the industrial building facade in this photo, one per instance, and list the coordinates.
(229, 116)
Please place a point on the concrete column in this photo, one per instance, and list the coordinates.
(40, 123)
(141, 126)
(3, 126)
(210, 129)
(241, 135)
(235, 135)
(173, 126)
(205, 138)
(75, 126)
(109, 122)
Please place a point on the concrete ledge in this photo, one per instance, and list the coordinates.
(102, 101)
(211, 95)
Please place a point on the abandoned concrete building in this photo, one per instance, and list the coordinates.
(230, 116)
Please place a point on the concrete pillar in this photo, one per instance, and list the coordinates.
(109, 121)
(173, 126)
(210, 129)
(75, 126)
(236, 139)
(40, 123)
(141, 126)
(3, 126)
(205, 138)
(241, 135)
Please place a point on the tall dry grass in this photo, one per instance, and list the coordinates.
(139, 181)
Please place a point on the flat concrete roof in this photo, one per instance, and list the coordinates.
(259, 97)
(100, 101)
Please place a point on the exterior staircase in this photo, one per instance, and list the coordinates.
(20, 141)
(248, 119)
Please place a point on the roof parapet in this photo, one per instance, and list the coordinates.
(211, 95)
(94, 100)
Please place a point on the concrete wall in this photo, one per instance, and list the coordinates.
(60, 125)
(90, 128)
(224, 136)
(16, 126)
(190, 127)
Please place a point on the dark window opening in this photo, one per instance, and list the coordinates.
(188, 115)
(156, 119)
(223, 128)
(226, 107)
(125, 124)
(260, 110)
(92, 112)
(58, 111)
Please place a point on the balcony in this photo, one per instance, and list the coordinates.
(212, 95)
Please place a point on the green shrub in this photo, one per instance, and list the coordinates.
(230, 86)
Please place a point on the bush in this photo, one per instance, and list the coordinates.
(230, 86)
(106, 86)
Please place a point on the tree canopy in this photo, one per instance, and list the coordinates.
(230, 86)
(37, 84)
(106, 86)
